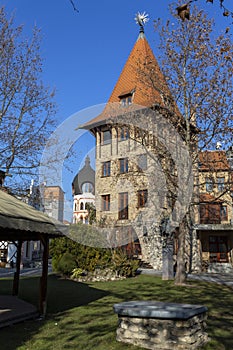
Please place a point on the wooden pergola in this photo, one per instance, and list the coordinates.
(20, 222)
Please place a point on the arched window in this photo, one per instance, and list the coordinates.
(87, 187)
(81, 206)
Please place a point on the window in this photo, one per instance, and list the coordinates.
(142, 162)
(81, 206)
(106, 168)
(210, 213)
(123, 206)
(220, 183)
(123, 165)
(142, 198)
(124, 134)
(106, 137)
(209, 184)
(87, 187)
(106, 202)
(126, 100)
(223, 212)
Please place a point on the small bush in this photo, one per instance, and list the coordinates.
(66, 264)
(123, 265)
(70, 257)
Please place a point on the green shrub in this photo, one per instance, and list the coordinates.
(68, 255)
(85, 257)
(66, 264)
(123, 265)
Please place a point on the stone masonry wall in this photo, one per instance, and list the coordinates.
(163, 334)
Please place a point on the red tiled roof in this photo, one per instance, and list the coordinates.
(134, 78)
(213, 161)
(208, 198)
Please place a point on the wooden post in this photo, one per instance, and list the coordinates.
(43, 279)
(15, 289)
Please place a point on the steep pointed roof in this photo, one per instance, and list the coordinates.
(140, 78)
(133, 77)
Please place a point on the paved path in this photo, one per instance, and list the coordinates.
(225, 279)
(31, 271)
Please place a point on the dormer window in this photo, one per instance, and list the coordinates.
(126, 98)
(126, 101)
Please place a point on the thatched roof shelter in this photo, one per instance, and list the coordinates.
(20, 222)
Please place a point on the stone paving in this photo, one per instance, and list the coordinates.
(225, 279)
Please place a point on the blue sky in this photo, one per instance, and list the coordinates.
(84, 52)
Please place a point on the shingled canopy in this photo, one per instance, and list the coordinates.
(20, 222)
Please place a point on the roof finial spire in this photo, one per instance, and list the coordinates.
(141, 19)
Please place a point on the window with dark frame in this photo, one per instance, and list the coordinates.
(106, 169)
(220, 183)
(123, 164)
(209, 184)
(105, 205)
(142, 198)
(223, 213)
(126, 100)
(123, 206)
(106, 137)
(123, 133)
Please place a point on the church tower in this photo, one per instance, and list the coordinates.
(83, 188)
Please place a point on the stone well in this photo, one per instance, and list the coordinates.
(163, 326)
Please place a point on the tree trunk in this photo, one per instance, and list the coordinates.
(181, 276)
(168, 273)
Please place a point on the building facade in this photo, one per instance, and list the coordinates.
(215, 227)
(136, 179)
(53, 202)
(129, 190)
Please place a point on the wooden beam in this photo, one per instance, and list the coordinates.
(15, 289)
(43, 280)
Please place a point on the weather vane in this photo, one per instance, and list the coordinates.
(141, 19)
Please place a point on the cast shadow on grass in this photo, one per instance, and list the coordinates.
(217, 298)
(95, 323)
(62, 296)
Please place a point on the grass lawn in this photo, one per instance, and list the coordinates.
(80, 315)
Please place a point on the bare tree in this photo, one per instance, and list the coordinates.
(26, 105)
(198, 69)
(74, 6)
(183, 9)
